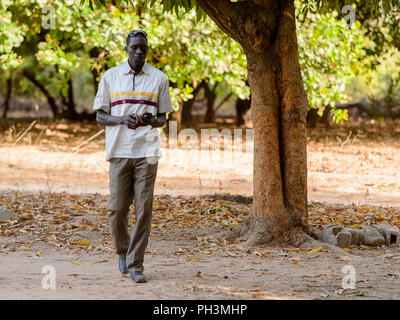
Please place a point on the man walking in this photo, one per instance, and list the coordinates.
(132, 101)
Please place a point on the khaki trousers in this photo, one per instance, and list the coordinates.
(131, 178)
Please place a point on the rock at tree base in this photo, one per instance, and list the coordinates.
(371, 237)
(376, 235)
(390, 233)
(337, 236)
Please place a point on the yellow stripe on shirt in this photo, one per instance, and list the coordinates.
(135, 93)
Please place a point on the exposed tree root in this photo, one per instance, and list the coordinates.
(297, 238)
(252, 234)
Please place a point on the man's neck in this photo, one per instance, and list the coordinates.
(134, 67)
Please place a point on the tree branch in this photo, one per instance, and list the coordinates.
(225, 14)
(223, 101)
(50, 99)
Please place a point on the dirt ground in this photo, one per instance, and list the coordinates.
(245, 275)
(193, 259)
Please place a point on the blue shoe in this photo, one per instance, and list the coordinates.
(122, 265)
(138, 276)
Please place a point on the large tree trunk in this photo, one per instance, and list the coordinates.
(267, 32)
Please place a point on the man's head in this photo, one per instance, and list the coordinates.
(136, 47)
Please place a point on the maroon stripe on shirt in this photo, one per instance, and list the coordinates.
(148, 102)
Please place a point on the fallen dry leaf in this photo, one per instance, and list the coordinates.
(102, 261)
(79, 264)
(257, 294)
(315, 250)
(193, 259)
(83, 243)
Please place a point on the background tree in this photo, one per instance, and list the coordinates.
(50, 57)
(11, 36)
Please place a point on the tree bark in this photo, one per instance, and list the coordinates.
(293, 124)
(7, 97)
(210, 96)
(69, 102)
(242, 106)
(267, 32)
(95, 75)
(50, 99)
(187, 111)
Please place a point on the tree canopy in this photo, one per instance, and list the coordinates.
(188, 49)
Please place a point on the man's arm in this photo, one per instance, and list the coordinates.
(156, 122)
(107, 119)
(160, 121)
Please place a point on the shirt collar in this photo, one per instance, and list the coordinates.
(127, 68)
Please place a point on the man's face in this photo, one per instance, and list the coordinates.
(137, 49)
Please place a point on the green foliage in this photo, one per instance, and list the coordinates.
(11, 36)
(328, 53)
(186, 50)
(380, 84)
(184, 43)
(370, 8)
(339, 115)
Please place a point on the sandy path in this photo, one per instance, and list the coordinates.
(226, 274)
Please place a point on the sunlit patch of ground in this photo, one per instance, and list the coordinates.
(354, 162)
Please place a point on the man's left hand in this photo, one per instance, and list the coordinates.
(145, 119)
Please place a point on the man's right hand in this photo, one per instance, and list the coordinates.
(131, 121)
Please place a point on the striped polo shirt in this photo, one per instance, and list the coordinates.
(121, 92)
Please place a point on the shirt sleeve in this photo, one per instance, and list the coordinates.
(103, 100)
(164, 99)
